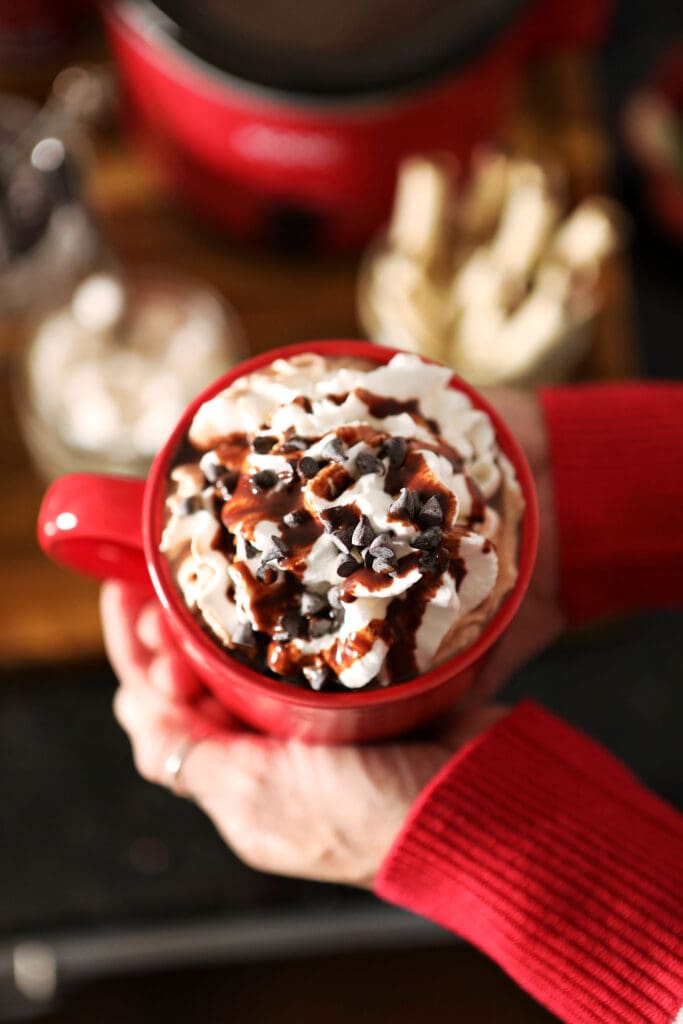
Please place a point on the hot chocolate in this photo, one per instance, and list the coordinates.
(343, 525)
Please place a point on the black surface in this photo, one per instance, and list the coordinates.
(324, 48)
(89, 844)
(87, 841)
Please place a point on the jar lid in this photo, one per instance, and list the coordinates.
(327, 48)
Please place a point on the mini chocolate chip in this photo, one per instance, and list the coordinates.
(334, 450)
(308, 467)
(213, 472)
(277, 550)
(366, 463)
(265, 479)
(338, 517)
(312, 603)
(384, 552)
(346, 565)
(186, 506)
(263, 444)
(315, 675)
(333, 517)
(429, 539)
(405, 504)
(250, 549)
(431, 513)
(395, 448)
(243, 635)
(265, 574)
(295, 518)
(226, 483)
(292, 625)
(429, 561)
(381, 540)
(294, 444)
(364, 534)
(382, 565)
(320, 626)
(342, 538)
(367, 558)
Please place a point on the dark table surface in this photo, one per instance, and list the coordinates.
(91, 845)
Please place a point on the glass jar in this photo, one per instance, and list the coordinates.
(107, 372)
(47, 238)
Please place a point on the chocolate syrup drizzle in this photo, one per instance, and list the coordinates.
(277, 594)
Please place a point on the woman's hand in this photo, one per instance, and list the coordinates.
(328, 813)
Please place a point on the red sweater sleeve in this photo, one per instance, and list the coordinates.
(544, 850)
(617, 457)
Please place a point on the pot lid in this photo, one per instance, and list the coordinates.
(334, 47)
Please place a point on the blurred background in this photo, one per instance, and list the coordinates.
(498, 185)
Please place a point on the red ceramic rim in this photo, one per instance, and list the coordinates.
(184, 620)
(203, 77)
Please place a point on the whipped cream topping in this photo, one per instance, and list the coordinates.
(341, 520)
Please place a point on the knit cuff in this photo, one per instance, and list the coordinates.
(544, 851)
(617, 458)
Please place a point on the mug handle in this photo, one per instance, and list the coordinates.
(94, 524)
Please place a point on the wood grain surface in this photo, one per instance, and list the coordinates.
(48, 614)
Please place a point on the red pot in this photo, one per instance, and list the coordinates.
(111, 527)
(311, 166)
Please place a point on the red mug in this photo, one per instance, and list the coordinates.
(110, 527)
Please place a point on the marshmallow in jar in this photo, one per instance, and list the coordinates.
(108, 374)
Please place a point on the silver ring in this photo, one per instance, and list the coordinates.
(174, 765)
